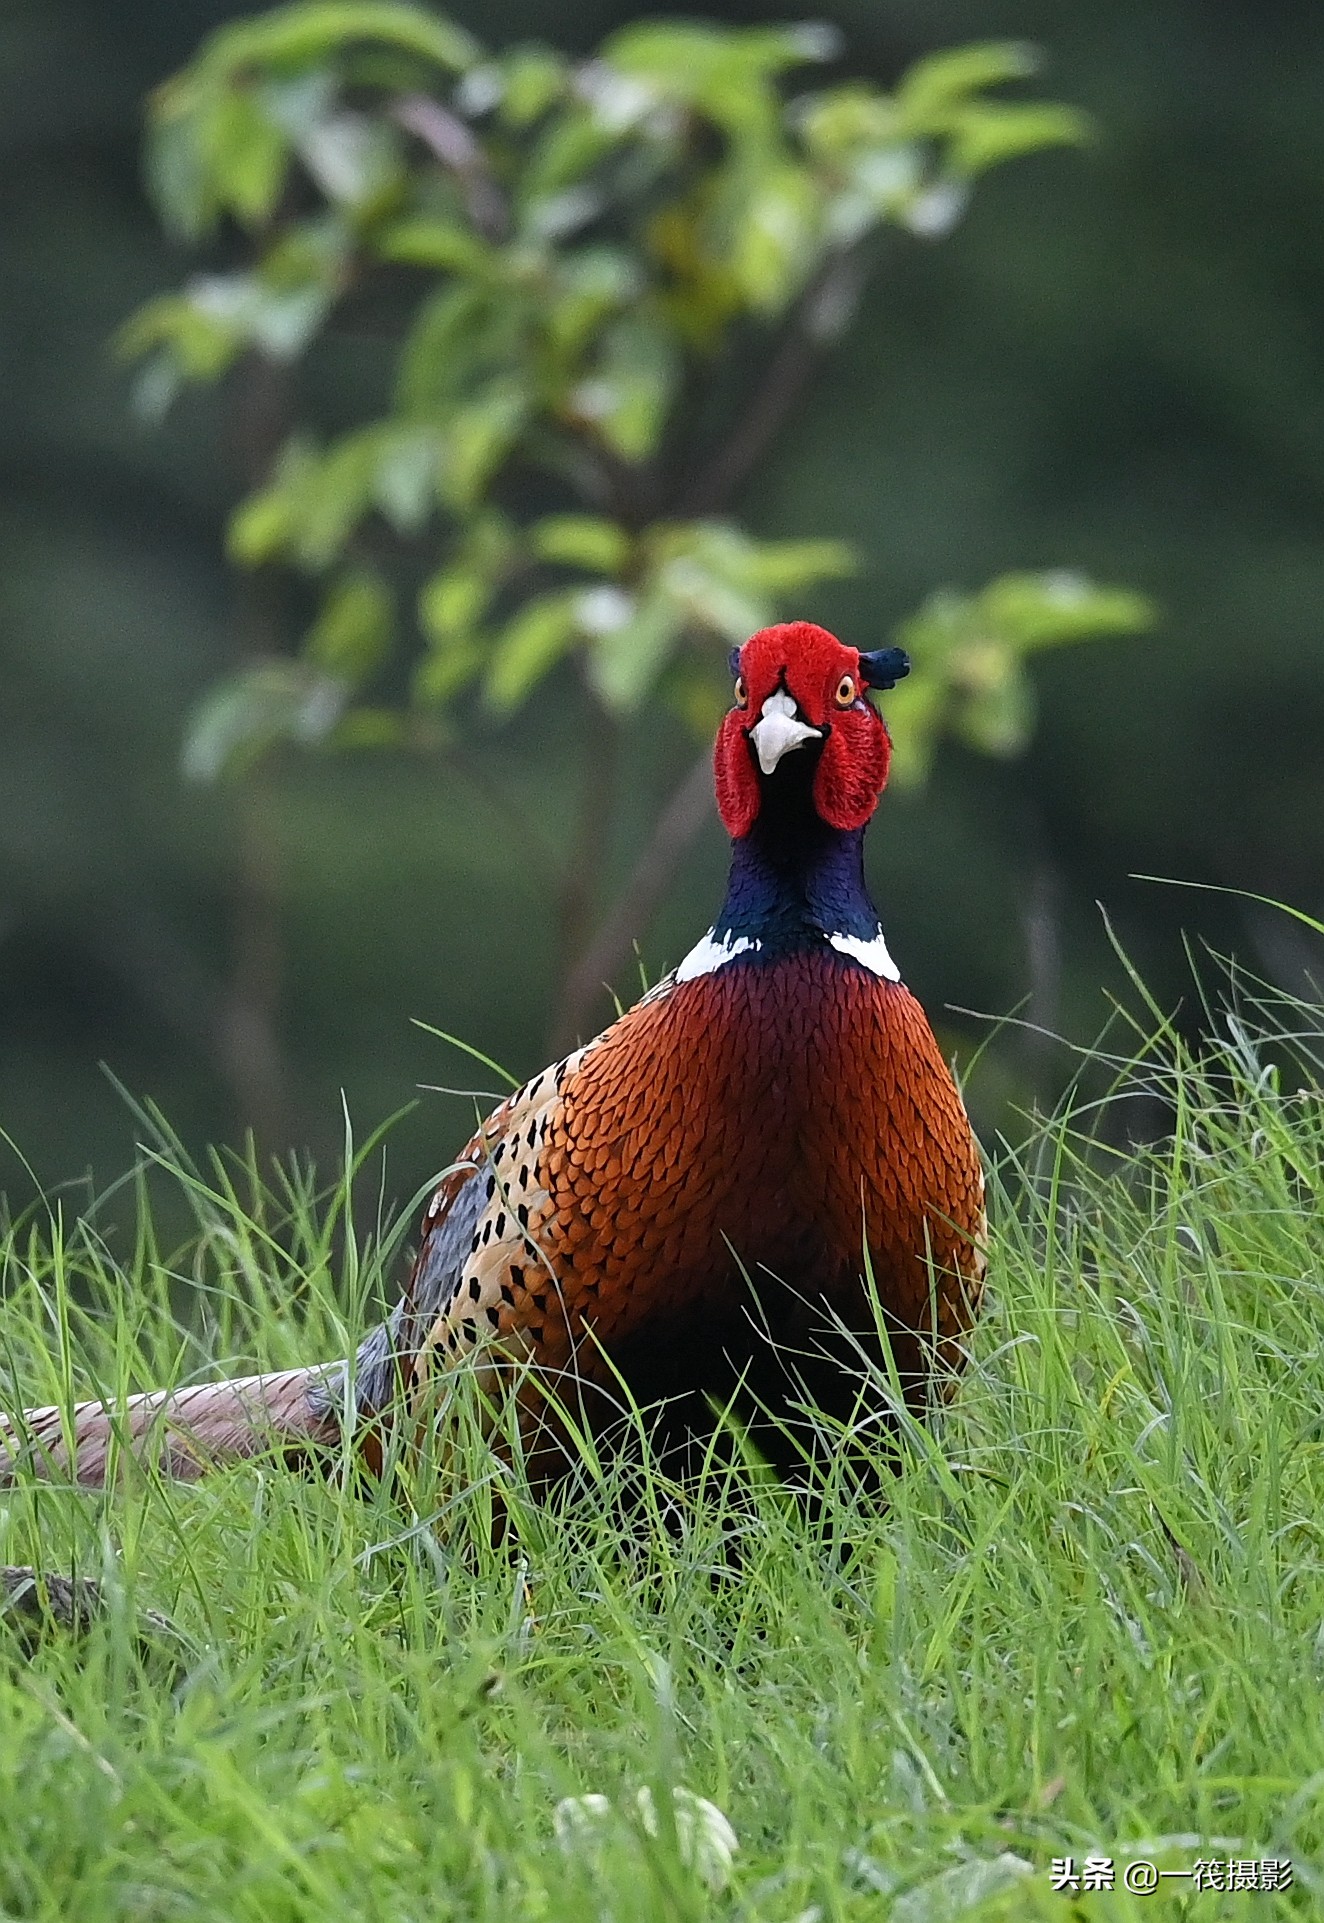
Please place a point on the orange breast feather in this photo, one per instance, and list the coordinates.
(752, 1132)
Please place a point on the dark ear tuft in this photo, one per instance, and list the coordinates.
(733, 662)
(884, 667)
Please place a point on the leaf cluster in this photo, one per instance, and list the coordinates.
(976, 650)
(574, 256)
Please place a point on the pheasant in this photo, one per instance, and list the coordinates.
(757, 1176)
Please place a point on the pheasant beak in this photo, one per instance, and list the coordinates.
(778, 730)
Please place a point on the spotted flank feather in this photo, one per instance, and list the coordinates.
(467, 1298)
(481, 1274)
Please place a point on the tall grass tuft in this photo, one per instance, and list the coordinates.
(1089, 1617)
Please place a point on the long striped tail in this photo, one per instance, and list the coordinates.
(185, 1433)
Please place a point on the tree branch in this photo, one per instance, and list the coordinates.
(589, 849)
(677, 825)
(821, 317)
(249, 1022)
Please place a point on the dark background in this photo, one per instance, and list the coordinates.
(1115, 364)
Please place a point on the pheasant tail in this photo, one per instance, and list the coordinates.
(186, 1433)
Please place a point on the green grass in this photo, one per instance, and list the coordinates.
(1091, 1619)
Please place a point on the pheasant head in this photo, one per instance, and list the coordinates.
(798, 690)
(800, 762)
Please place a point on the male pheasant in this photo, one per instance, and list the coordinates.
(692, 1204)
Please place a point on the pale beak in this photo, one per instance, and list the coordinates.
(777, 731)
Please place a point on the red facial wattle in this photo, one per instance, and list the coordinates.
(813, 668)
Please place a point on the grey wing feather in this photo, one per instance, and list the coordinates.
(368, 1383)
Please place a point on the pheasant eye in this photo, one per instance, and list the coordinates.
(845, 691)
(741, 691)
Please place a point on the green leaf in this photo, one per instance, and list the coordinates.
(404, 485)
(340, 488)
(301, 101)
(839, 121)
(935, 209)
(314, 500)
(446, 670)
(566, 151)
(456, 598)
(254, 312)
(247, 155)
(687, 53)
(478, 437)
(178, 177)
(940, 81)
(999, 719)
(1023, 612)
(201, 345)
(1045, 610)
(581, 541)
(994, 132)
(775, 234)
(425, 241)
(889, 176)
(786, 567)
(445, 346)
(529, 647)
(626, 396)
(625, 659)
(354, 158)
(969, 651)
(711, 601)
(551, 217)
(312, 252)
(532, 80)
(590, 284)
(241, 718)
(155, 387)
(453, 602)
(352, 635)
(728, 583)
(294, 36)
(260, 527)
(727, 74)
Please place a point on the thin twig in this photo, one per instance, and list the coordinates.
(249, 1022)
(445, 136)
(819, 319)
(518, 817)
(678, 824)
(601, 749)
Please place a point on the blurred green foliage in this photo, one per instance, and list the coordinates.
(974, 648)
(1113, 364)
(576, 247)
